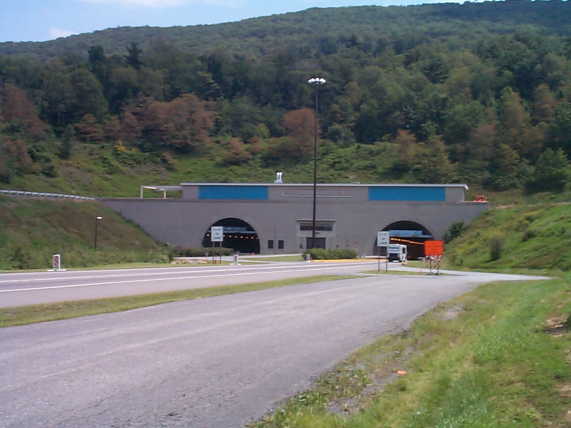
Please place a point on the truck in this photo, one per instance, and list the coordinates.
(397, 252)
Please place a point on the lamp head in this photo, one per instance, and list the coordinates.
(317, 81)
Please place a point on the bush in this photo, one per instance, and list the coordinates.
(454, 231)
(21, 259)
(200, 252)
(551, 172)
(496, 248)
(336, 254)
(528, 234)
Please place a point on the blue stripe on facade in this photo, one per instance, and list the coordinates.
(402, 194)
(256, 193)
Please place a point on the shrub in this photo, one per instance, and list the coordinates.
(20, 259)
(454, 231)
(200, 252)
(496, 248)
(528, 234)
(334, 254)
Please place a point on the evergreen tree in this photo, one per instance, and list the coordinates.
(551, 173)
(133, 57)
(67, 142)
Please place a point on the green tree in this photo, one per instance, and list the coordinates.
(88, 95)
(551, 173)
(544, 103)
(508, 170)
(133, 56)
(67, 142)
(432, 164)
(560, 130)
(98, 63)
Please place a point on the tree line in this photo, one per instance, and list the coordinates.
(492, 109)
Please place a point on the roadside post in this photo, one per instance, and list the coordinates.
(383, 240)
(56, 263)
(433, 252)
(217, 235)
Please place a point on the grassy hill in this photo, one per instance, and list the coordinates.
(99, 170)
(32, 230)
(527, 236)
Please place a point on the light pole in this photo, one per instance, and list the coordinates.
(316, 82)
(97, 220)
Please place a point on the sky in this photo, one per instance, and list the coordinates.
(40, 20)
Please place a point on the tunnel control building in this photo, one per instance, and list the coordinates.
(277, 218)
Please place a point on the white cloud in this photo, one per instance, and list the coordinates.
(160, 3)
(56, 33)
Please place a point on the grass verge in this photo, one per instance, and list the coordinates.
(297, 258)
(141, 265)
(496, 357)
(57, 311)
(394, 272)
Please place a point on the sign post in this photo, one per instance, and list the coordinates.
(217, 235)
(433, 252)
(56, 263)
(383, 240)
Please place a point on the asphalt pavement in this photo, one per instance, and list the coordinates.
(18, 289)
(215, 362)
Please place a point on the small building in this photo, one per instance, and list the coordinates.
(277, 218)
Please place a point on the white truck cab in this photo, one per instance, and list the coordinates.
(397, 252)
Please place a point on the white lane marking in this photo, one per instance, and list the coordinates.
(55, 287)
(195, 270)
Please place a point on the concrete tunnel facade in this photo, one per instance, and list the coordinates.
(278, 217)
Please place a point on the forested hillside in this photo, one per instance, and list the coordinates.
(478, 93)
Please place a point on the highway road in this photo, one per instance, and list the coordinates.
(18, 289)
(215, 362)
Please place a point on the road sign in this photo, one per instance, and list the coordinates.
(217, 233)
(56, 262)
(383, 239)
(433, 248)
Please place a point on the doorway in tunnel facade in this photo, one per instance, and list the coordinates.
(408, 233)
(238, 235)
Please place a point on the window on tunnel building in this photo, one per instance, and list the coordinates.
(281, 244)
(270, 244)
(321, 226)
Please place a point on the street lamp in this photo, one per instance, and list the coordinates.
(316, 82)
(97, 220)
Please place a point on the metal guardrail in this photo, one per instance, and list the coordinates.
(44, 195)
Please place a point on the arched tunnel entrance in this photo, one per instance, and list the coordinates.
(238, 235)
(408, 233)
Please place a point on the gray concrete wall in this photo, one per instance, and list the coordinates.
(184, 222)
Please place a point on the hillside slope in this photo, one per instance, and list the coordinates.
(529, 236)
(473, 93)
(31, 230)
(258, 36)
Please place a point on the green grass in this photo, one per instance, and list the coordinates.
(31, 230)
(482, 360)
(57, 311)
(129, 266)
(526, 237)
(99, 170)
(394, 272)
(297, 258)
